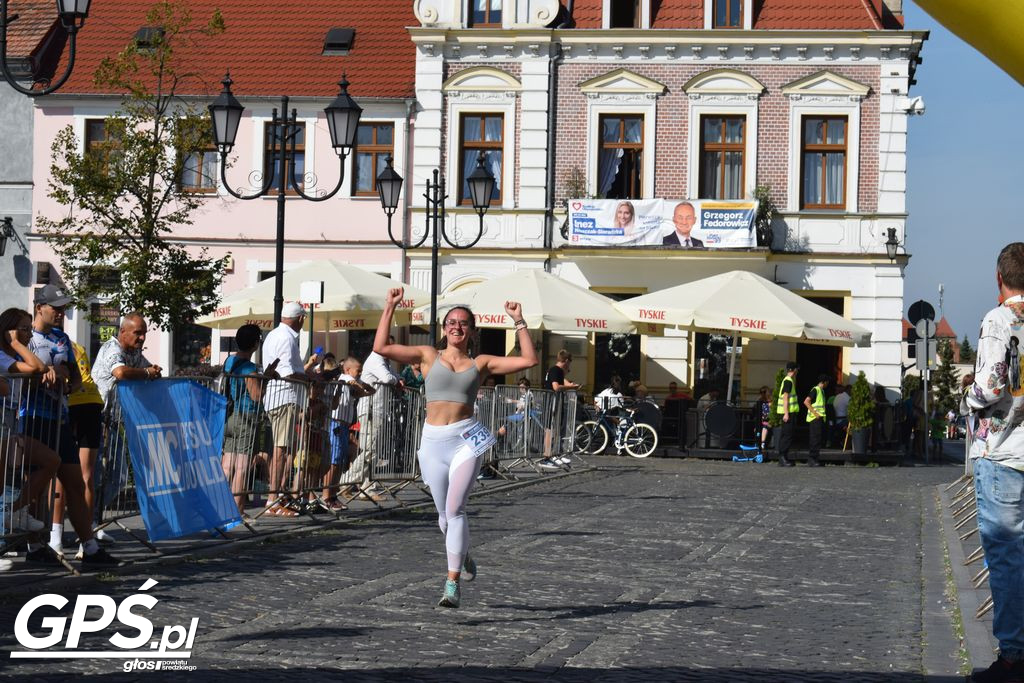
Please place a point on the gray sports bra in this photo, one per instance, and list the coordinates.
(444, 384)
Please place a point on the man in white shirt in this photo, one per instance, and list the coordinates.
(282, 396)
(841, 407)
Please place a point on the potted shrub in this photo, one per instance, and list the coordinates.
(861, 413)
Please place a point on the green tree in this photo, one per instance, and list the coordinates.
(124, 204)
(861, 409)
(966, 351)
(944, 381)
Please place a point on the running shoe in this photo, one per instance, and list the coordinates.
(548, 464)
(42, 555)
(24, 521)
(450, 597)
(103, 537)
(57, 548)
(469, 568)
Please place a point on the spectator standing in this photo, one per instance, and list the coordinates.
(788, 407)
(349, 388)
(555, 380)
(246, 391)
(841, 406)
(375, 413)
(282, 398)
(995, 401)
(121, 357)
(762, 417)
(412, 376)
(46, 419)
(815, 404)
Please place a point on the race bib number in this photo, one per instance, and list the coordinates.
(478, 438)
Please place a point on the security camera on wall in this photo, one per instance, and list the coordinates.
(915, 106)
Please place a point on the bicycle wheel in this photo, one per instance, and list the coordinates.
(640, 440)
(582, 438)
(598, 437)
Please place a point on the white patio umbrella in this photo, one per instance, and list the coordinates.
(742, 303)
(549, 303)
(353, 298)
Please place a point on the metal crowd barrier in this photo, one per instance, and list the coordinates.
(530, 425)
(391, 422)
(30, 421)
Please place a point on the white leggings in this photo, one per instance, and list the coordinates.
(449, 468)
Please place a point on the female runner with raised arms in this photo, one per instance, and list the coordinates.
(453, 441)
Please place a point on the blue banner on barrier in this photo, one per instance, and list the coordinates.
(175, 432)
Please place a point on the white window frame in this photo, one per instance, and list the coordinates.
(259, 128)
(645, 13)
(709, 16)
(643, 106)
(797, 112)
(505, 106)
(698, 110)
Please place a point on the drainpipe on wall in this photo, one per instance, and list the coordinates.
(410, 107)
(549, 211)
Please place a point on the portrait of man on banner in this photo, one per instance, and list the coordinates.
(684, 220)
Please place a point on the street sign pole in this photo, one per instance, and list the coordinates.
(926, 330)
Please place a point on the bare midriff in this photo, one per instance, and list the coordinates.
(440, 413)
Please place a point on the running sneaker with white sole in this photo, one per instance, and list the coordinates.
(548, 464)
(100, 558)
(450, 597)
(103, 537)
(469, 568)
(24, 521)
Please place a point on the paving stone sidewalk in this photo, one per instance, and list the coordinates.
(663, 570)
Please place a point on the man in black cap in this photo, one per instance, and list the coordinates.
(789, 408)
(46, 419)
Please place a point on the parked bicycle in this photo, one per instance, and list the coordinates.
(638, 439)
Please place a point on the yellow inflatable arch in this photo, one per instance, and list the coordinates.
(993, 27)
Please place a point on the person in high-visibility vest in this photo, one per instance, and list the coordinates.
(788, 407)
(815, 404)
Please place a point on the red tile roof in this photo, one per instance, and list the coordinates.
(270, 51)
(943, 330)
(770, 14)
(35, 19)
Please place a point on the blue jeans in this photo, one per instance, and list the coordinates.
(1000, 495)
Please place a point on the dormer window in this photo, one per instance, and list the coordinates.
(624, 14)
(485, 13)
(727, 13)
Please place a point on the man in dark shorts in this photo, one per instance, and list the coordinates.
(554, 380)
(46, 419)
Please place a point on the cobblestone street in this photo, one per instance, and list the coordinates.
(655, 570)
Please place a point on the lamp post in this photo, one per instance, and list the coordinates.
(72, 15)
(342, 119)
(481, 188)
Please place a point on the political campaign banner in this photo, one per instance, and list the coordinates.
(692, 223)
(175, 432)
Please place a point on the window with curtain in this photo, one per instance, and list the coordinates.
(620, 157)
(481, 133)
(374, 142)
(722, 146)
(270, 135)
(727, 14)
(624, 14)
(484, 13)
(823, 171)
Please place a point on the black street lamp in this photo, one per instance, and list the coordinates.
(72, 15)
(891, 244)
(342, 119)
(481, 188)
(6, 232)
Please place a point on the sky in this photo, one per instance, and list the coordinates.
(965, 176)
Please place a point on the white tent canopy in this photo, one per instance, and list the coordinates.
(353, 298)
(742, 303)
(549, 303)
